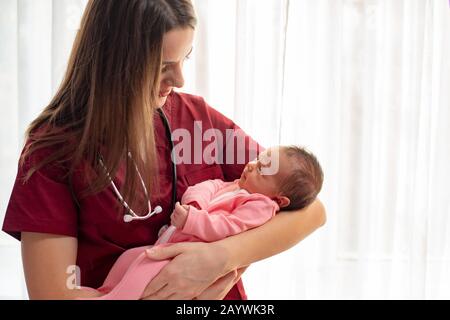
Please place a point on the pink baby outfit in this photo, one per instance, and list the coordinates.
(218, 210)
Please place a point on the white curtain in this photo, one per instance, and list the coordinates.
(364, 84)
(35, 41)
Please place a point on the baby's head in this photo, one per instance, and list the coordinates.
(289, 175)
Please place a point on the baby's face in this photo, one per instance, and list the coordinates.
(259, 175)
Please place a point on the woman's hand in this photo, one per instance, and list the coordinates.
(195, 267)
(221, 287)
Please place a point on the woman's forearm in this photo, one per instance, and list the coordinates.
(282, 232)
(79, 294)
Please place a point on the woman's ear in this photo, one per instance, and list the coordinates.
(282, 201)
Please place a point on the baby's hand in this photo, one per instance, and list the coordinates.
(179, 215)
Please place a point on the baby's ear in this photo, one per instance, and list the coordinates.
(282, 201)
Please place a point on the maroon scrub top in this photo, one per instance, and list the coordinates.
(46, 204)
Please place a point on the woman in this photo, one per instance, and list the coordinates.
(110, 120)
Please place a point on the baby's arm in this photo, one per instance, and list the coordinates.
(201, 194)
(212, 227)
(179, 215)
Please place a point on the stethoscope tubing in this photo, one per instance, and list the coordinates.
(131, 215)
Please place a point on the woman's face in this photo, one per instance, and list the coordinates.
(177, 45)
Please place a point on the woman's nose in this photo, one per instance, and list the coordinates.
(176, 79)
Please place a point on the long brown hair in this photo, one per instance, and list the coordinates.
(107, 99)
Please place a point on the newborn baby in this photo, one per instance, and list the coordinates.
(286, 177)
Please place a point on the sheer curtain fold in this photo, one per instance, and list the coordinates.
(362, 87)
(364, 84)
(36, 37)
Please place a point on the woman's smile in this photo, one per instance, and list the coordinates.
(165, 94)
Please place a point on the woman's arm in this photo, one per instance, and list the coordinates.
(282, 232)
(196, 266)
(46, 259)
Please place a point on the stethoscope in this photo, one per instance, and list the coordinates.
(131, 215)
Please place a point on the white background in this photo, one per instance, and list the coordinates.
(364, 84)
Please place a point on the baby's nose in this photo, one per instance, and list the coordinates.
(250, 166)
